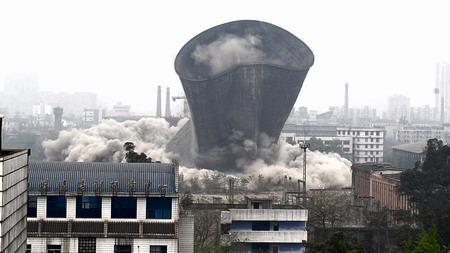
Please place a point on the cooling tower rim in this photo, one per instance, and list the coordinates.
(237, 66)
(308, 55)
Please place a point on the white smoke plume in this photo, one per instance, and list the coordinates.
(322, 170)
(104, 142)
(229, 50)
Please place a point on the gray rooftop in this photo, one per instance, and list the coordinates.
(73, 172)
(414, 147)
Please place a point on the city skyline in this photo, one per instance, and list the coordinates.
(123, 51)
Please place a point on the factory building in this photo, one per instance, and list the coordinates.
(263, 228)
(106, 207)
(13, 198)
(375, 186)
(406, 155)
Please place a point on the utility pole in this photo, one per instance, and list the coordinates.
(304, 146)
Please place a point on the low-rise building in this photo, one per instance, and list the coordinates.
(263, 228)
(106, 207)
(375, 186)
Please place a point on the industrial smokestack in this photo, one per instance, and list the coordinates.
(346, 103)
(168, 103)
(442, 111)
(158, 103)
(58, 112)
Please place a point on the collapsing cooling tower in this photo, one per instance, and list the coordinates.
(241, 80)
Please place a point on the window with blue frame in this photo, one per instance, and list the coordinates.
(123, 207)
(159, 208)
(260, 225)
(56, 206)
(32, 206)
(260, 247)
(89, 207)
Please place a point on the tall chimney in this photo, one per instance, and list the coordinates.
(158, 103)
(168, 103)
(58, 112)
(346, 103)
(442, 111)
(1, 122)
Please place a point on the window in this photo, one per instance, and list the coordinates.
(89, 207)
(56, 206)
(158, 249)
(86, 245)
(260, 225)
(123, 207)
(122, 248)
(32, 206)
(346, 150)
(275, 248)
(159, 208)
(260, 247)
(346, 142)
(256, 205)
(53, 248)
(275, 226)
(28, 248)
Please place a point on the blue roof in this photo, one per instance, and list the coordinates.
(74, 172)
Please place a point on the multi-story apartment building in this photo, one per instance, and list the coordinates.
(106, 207)
(359, 144)
(415, 133)
(367, 143)
(259, 228)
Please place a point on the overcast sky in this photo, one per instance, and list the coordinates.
(122, 50)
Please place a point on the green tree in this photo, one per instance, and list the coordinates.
(334, 146)
(132, 156)
(428, 189)
(339, 242)
(427, 242)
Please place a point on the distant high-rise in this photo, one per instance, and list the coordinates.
(399, 108)
(442, 90)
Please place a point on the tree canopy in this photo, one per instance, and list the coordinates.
(428, 189)
(132, 156)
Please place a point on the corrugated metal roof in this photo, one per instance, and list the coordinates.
(74, 172)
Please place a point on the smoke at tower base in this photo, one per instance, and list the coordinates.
(104, 143)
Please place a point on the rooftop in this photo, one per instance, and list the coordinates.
(414, 147)
(148, 177)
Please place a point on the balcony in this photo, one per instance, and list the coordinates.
(269, 214)
(105, 228)
(269, 236)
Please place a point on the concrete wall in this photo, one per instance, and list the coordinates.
(13, 201)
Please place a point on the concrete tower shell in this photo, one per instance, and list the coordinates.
(240, 110)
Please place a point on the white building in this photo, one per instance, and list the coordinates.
(263, 229)
(367, 143)
(106, 207)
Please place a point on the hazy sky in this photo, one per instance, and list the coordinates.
(123, 50)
